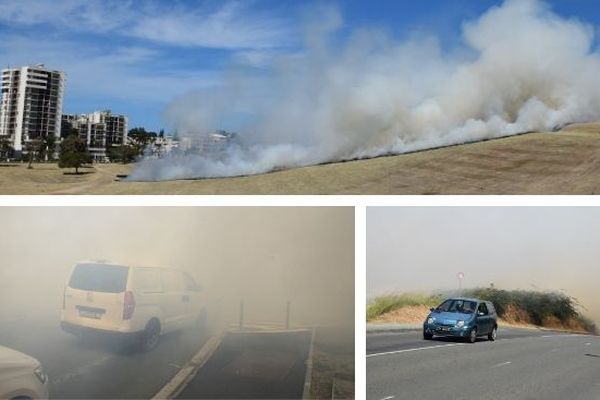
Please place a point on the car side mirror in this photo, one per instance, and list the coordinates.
(432, 309)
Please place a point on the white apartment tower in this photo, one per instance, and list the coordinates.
(100, 130)
(31, 105)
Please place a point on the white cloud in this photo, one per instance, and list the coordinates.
(76, 15)
(231, 25)
(123, 72)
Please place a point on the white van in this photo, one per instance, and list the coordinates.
(134, 302)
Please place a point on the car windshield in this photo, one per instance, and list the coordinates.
(459, 306)
(99, 278)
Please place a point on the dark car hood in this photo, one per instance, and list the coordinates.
(449, 318)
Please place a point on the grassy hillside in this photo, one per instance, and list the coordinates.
(565, 162)
(551, 309)
(544, 309)
(384, 304)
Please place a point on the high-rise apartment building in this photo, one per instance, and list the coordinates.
(31, 105)
(100, 131)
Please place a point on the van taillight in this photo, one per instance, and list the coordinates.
(128, 305)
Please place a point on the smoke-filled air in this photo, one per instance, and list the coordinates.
(262, 256)
(520, 67)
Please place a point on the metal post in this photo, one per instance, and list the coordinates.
(460, 277)
(287, 315)
(241, 315)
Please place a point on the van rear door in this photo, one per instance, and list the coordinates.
(94, 296)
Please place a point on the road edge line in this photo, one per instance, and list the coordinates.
(387, 353)
(176, 385)
(309, 367)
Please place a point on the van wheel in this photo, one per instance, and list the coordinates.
(493, 334)
(472, 335)
(150, 335)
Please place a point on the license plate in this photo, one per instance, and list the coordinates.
(444, 328)
(89, 314)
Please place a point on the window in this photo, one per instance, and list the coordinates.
(482, 309)
(190, 284)
(148, 280)
(99, 278)
(172, 281)
(461, 306)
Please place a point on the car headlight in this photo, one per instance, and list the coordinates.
(460, 324)
(39, 372)
(430, 320)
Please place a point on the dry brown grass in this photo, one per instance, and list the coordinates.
(513, 317)
(565, 162)
(404, 315)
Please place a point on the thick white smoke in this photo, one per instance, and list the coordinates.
(522, 68)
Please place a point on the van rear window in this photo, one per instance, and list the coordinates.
(99, 278)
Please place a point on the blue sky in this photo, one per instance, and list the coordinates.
(135, 57)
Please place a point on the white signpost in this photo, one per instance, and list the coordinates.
(460, 277)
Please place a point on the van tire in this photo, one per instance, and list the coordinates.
(150, 335)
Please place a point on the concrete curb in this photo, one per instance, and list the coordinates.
(392, 328)
(309, 368)
(176, 385)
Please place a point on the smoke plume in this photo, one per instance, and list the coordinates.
(520, 68)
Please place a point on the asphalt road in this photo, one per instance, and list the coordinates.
(521, 364)
(254, 366)
(98, 368)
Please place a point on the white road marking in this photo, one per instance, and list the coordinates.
(564, 335)
(416, 349)
(502, 364)
(388, 398)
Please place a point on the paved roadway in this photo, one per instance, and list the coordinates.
(264, 365)
(521, 364)
(98, 368)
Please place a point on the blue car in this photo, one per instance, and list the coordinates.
(462, 318)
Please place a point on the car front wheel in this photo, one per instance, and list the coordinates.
(427, 336)
(472, 335)
(492, 335)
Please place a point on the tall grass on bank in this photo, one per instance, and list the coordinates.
(538, 306)
(390, 302)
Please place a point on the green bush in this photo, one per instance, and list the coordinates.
(538, 305)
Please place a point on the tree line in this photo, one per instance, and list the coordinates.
(72, 152)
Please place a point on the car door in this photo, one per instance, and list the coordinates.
(174, 299)
(195, 304)
(483, 319)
